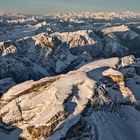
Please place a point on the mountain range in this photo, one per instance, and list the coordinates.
(70, 76)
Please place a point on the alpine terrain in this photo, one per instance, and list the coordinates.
(73, 76)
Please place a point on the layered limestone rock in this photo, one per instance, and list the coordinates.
(39, 108)
(75, 105)
(42, 107)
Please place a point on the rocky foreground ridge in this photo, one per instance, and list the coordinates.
(98, 101)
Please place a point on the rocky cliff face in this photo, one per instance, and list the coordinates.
(65, 77)
(63, 107)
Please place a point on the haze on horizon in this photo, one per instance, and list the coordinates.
(59, 6)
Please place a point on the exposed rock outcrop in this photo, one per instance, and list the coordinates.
(62, 107)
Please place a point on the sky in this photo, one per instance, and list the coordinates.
(59, 6)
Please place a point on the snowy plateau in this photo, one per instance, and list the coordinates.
(73, 76)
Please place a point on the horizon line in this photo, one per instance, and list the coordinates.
(67, 12)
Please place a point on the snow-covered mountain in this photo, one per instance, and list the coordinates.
(70, 76)
(93, 102)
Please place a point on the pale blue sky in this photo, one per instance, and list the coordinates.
(55, 6)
